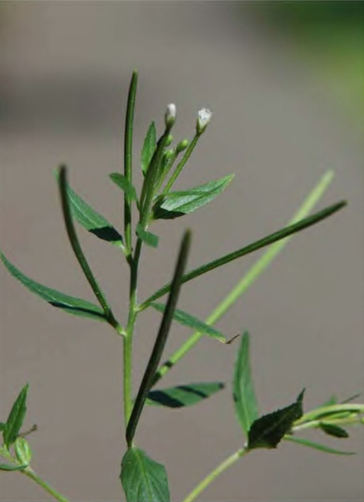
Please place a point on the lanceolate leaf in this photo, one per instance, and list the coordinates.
(246, 407)
(191, 322)
(183, 395)
(333, 430)
(268, 430)
(266, 241)
(332, 411)
(90, 219)
(67, 303)
(317, 446)
(124, 184)
(149, 146)
(147, 237)
(143, 479)
(16, 417)
(7, 467)
(154, 360)
(174, 204)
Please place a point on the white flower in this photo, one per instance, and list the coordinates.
(203, 118)
(170, 115)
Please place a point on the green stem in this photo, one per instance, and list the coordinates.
(250, 277)
(128, 339)
(215, 473)
(32, 475)
(128, 151)
(181, 164)
(75, 244)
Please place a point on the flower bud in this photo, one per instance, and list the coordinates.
(168, 154)
(169, 140)
(170, 116)
(203, 118)
(182, 145)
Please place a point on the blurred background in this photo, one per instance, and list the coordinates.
(284, 81)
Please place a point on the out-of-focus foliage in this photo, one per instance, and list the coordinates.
(330, 38)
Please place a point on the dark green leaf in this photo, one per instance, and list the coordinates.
(77, 249)
(333, 430)
(269, 430)
(7, 467)
(67, 303)
(23, 450)
(317, 446)
(149, 146)
(143, 479)
(2, 426)
(191, 322)
(124, 184)
(174, 204)
(90, 219)
(246, 407)
(16, 417)
(183, 395)
(270, 239)
(147, 237)
(154, 360)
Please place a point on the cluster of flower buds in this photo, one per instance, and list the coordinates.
(203, 118)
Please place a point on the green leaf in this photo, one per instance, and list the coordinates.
(90, 219)
(7, 467)
(16, 417)
(270, 239)
(268, 430)
(23, 451)
(147, 237)
(191, 322)
(175, 204)
(332, 400)
(125, 185)
(149, 146)
(67, 303)
(332, 411)
(183, 395)
(333, 430)
(2, 426)
(317, 446)
(143, 479)
(154, 360)
(246, 407)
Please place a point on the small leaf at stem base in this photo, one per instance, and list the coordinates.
(143, 479)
